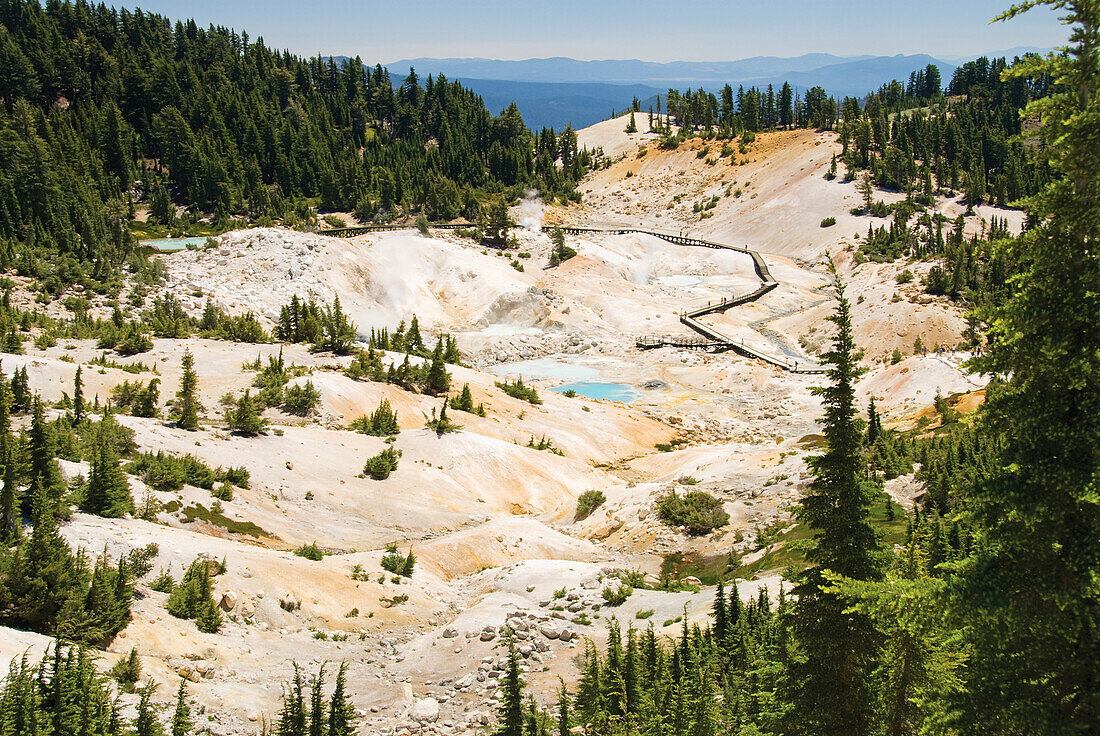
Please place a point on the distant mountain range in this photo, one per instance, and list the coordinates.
(561, 91)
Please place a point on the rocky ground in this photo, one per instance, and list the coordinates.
(490, 520)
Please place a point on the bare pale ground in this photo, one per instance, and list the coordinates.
(490, 520)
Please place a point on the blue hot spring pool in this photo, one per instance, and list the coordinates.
(595, 390)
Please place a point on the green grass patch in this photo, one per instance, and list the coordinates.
(785, 555)
(708, 568)
(201, 513)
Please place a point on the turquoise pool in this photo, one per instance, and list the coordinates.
(606, 391)
(170, 244)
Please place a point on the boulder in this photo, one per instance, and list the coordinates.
(228, 601)
(425, 711)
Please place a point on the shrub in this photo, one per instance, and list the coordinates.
(381, 465)
(224, 492)
(169, 473)
(828, 222)
(517, 390)
(698, 512)
(904, 277)
(193, 597)
(397, 563)
(465, 402)
(244, 418)
(442, 424)
(310, 551)
(127, 671)
(379, 423)
(588, 502)
(301, 400)
(163, 583)
(616, 596)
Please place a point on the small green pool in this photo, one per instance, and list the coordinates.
(165, 245)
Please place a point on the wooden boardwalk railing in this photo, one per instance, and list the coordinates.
(712, 339)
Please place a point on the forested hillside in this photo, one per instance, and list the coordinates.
(103, 108)
(906, 134)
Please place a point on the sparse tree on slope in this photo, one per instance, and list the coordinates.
(78, 397)
(108, 491)
(44, 473)
(187, 407)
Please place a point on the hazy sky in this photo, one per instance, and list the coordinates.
(664, 30)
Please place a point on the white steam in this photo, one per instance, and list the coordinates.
(530, 211)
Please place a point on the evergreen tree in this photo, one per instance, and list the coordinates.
(830, 677)
(438, 380)
(42, 575)
(44, 473)
(107, 492)
(244, 418)
(146, 722)
(187, 407)
(182, 725)
(632, 125)
(341, 712)
(338, 333)
(511, 699)
(78, 397)
(9, 494)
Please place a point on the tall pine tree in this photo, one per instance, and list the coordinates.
(836, 650)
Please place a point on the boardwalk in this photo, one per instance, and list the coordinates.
(710, 338)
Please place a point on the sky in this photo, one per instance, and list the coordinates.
(651, 30)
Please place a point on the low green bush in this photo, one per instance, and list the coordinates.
(697, 512)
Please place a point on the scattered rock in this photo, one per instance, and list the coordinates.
(425, 711)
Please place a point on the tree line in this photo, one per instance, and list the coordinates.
(102, 109)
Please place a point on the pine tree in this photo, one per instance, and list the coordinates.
(867, 192)
(182, 725)
(293, 718)
(632, 126)
(9, 494)
(41, 576)
(187, 407)
(341, 712)
(44, 473)
(209, 618)
(563, 711)
(438, 380)
(244, 418)
(837, 650)
(146, 722)
(721, 615)
(78, 397)
(108, 492)
(511, 698)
